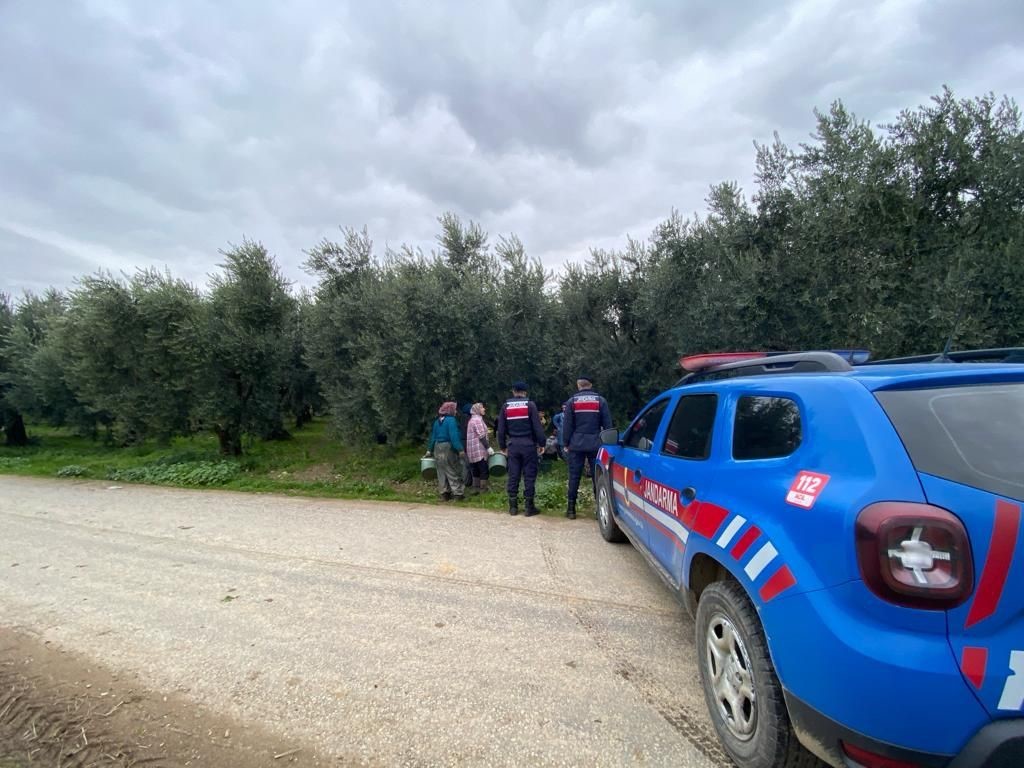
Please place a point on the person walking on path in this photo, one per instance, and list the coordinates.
(447, 448)
(586, 414)
(478, 448)
(521, 437)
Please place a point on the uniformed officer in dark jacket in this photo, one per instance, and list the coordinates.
(586, 414)
(521, 436)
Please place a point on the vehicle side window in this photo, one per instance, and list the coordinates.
(689, 433)
(641, 434)
(765, 428)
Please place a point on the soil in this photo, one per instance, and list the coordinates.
(59, 709)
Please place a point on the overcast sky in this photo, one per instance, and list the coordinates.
(144, 133)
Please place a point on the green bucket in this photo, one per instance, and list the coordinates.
(497, 465)
(428, 468)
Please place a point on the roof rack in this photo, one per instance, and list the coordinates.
(794, 362)
(999, 355)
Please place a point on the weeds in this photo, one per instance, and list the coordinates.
(314, 463)
(73, 470)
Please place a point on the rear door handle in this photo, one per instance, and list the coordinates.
(637, 474)
(689, 493)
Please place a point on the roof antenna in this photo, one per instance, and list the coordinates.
(944, 356)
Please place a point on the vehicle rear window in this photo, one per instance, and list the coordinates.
(765, 428)
(970, 434)
(689, 432)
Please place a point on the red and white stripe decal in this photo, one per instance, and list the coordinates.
(973, 662)
(997, 564)
(745, 541)
(778, 583)
(652, 501)
(662, 507)
(764, 558)
(709, 518)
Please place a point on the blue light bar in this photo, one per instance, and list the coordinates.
(853, 356)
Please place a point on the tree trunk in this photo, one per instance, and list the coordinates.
(230, 440)
(303, 417)
(275, 431)
(14, 428)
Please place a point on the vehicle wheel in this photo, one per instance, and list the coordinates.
(743, 694)
(606, 510)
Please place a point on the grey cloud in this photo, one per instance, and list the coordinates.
(163, 132)
(33, 266)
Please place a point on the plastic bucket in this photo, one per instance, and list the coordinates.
(428, 468)
(497, 465)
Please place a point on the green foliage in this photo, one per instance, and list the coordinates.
(12, 422)
(246, 348)
(880, 237)
(389, 340)
(314, 463)
(301, 396)
(193, 473)
(37, 357)
(73, 470)
(133, 352)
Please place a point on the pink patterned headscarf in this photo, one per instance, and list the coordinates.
(447, 409)
(478, 409)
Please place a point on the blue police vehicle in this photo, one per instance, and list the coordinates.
(848, 539)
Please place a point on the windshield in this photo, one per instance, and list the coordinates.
(969, 434)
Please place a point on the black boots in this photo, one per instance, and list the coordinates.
(530, 509)
(513, 506)
(570, 510)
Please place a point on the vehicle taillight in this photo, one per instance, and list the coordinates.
(871, 760)
(914, 555)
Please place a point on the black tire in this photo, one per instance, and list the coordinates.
(758, 734)
(606, 516)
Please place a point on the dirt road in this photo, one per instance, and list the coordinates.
(356, 633)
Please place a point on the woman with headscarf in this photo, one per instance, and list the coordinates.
(478, 448)
(446, 445)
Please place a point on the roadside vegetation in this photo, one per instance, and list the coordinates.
(312, 463)
(889, 237)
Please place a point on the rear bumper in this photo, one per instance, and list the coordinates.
(999, 744)
(823, 736)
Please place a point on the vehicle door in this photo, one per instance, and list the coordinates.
(676, 473)
(638, 443)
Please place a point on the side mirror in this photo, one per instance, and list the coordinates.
(610, 437)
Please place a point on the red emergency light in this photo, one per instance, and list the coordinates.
(695, 363)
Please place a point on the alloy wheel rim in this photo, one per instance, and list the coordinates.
(731, 677)
(603, 506)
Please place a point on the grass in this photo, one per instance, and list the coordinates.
(313, 463)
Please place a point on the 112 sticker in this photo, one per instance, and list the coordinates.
(806, 488)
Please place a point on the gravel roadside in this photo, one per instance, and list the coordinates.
(390, 634)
